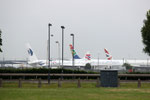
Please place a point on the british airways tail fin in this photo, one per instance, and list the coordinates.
(109, 57)
(32, 56)
(74, 54)
(88, 56)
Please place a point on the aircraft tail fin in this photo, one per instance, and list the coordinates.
(74, 54)
(87, 56)
(109, 57)
(31, 54)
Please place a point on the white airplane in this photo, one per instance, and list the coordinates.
(109, 57)
(93, 62)
(114, 64)
(34, 62)
(131, 62)
(78, 62)
(32, 59)
(110, 62)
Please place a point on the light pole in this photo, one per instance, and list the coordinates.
(58, 52)
(147, 62)
(62, 47)
(98, 60)
(73, 48)
(49, 25)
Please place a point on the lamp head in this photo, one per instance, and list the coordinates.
(71, 34)
(49, 24)
(62, 27)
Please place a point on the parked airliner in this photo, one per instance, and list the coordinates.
(33, 61)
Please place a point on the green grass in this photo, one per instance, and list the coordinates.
(69, 91)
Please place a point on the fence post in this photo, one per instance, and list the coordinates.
(79, 84)
(39, 83)
(87, 77)
(1, 82)
(98, 82)
(19, 83)
(59, 83)
(118, 82)
(139, 83)
(10, 77)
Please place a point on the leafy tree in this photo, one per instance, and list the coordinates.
(146, 33)
(128, 66)
(0, 41)
(88, 66)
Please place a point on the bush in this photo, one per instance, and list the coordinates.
(40, 70)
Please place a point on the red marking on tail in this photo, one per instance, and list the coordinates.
(71, 47)
(106, 51)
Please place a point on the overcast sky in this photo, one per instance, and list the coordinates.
(97, 24)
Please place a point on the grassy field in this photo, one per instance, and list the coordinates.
(69, 91)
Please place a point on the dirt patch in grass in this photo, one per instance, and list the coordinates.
(130, 90)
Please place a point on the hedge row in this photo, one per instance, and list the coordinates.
(42, 70)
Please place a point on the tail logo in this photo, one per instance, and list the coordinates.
(88, 56)
(30, 52)
(109, 57)
(75, 56)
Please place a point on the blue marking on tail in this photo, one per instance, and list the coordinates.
(41, 63)
(76, 57)
(30, 52)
